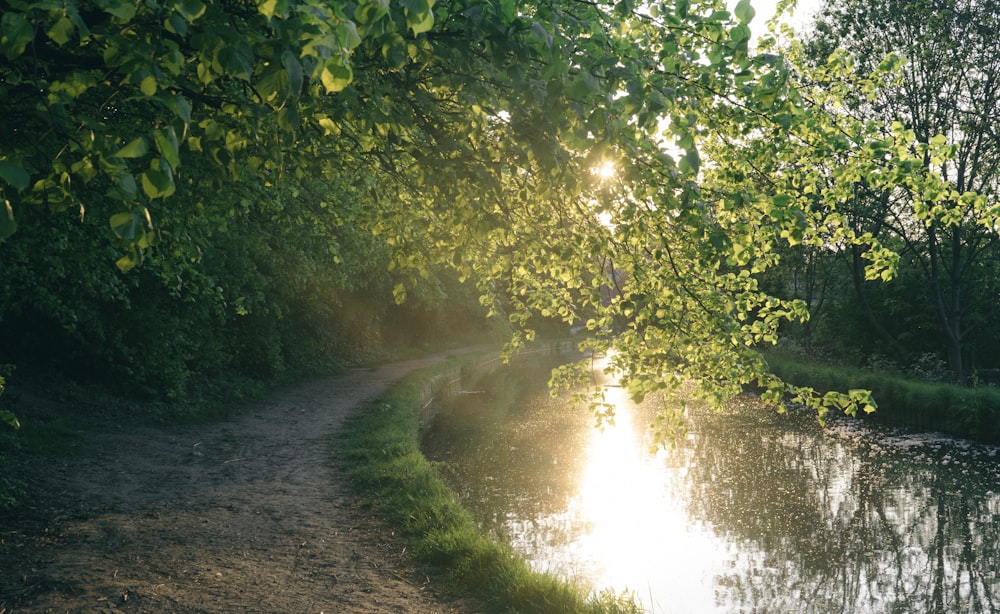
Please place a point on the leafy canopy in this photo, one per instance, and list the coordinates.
(466, 132)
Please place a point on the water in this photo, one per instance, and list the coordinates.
(751, 512)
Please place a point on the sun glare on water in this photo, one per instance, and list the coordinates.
(637, 529)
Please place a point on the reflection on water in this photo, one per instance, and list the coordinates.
(752, 512)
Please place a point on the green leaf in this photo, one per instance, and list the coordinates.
(129, 261)
(267, 8)
(508, 11)
(191, 9)
(399, 293)
(624, 8)
(273, 85)
(166, 143)
(61, 31)
(7, 224)
(541, 34)
(127, 185)
(136, 149)
(9, 418)
(14, 175)
(691, 160)
(781, 201)
(336, 76)
(368, 13)
(939, 140)
(15, 34)
(420, 22)
(716, 54)
(148, 85)
(328, 125)
(81, 27)
(173, 61)
(176, 24)
(394, 49)
(288, 118)
(740, 33)
(744, 12)
(128, 225)
(349, 35)
(237, 60)
(180, 106)
(583, 85)
(294, 70)
(122, 9)
(157, 182)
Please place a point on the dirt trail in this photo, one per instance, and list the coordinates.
(248, 515)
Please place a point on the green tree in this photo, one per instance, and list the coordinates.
(946, 92)
(463, 134)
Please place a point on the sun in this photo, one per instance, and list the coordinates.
(605, 170)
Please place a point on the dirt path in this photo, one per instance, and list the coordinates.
(248, 515)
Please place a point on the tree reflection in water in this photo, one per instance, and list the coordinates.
(752, 512)
(847, 519)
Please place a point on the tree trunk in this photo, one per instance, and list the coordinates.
(857, 276)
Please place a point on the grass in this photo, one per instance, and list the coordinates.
(380, 447)
(962, 411)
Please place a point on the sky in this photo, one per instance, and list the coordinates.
(765, 9)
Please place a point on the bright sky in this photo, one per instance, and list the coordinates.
(765, 9)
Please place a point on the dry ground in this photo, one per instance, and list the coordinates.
(247, 515)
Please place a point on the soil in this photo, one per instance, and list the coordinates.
(246, 515)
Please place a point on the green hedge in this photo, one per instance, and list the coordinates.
(957, 410)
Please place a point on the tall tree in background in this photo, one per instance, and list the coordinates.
(947, 91)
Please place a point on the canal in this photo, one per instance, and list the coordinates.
(750, 511)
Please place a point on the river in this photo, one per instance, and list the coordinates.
(751, 511)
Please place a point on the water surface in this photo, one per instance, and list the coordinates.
(751, 512)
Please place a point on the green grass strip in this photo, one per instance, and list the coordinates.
(972, 412)
(380, 449)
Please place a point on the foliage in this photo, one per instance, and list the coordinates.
(140, 134)
(906, 399)
(943, 94)
(246, 154)
(380, 447)
(12, 489)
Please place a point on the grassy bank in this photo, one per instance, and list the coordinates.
(962, 411)
(381, 449)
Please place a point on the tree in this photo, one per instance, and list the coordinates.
(946, 92)
(167, 135)
(464, 133)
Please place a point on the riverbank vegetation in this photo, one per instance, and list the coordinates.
(381, 449)
(904, 398)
